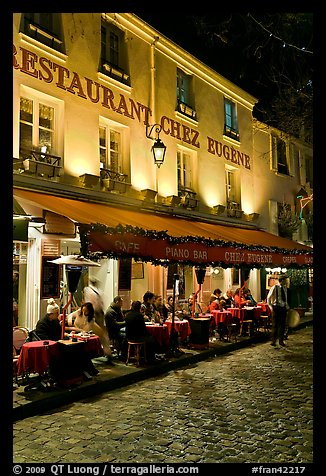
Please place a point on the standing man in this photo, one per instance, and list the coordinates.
(277, 301)
(93, 294)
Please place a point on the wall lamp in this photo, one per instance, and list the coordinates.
(158, 148)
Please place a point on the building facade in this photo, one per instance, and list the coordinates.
(92, 93)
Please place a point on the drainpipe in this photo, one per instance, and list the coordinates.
(152, 88)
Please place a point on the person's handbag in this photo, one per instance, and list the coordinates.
(292, 318)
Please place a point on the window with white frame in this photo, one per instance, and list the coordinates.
(37, 125)
(184, 165)
(230, 184)
(230, 119)
(110, 148)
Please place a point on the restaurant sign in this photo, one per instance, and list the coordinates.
(194, 253)
(47, 71)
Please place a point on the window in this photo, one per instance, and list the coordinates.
(37, 125)
(45, 28)
(110, 148)
(230, 120)
(184, 102)
(114, 62)
(279, 155)
(184, 170)
(309, 170)
(230, 186)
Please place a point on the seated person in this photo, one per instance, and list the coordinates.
(197, 308)
(247, 295)
(136, 330)
(239, 298)
(161, 314)
(114, 320)
(49, 327)
(84, 321)
(70, 362)
(148, 307)
(228, 297)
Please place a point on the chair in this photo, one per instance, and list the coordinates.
(20, 335)
(136, 347)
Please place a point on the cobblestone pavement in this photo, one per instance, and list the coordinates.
(254, 405)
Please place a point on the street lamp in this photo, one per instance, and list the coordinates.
(174, 350)
(158, 148)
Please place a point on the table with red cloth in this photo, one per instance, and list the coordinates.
(160, 334)
(221, 316)
(253, 312)
(265, 308)
(93, 346)
(182, 327)
(35, 356)
(237, 312)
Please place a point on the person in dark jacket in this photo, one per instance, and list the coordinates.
(49, 327)
(136, 330)
(115, 323)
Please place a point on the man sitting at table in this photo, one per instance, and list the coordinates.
(49, 327)
(70, 363)
(136, 330)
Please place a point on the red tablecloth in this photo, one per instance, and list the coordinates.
(160, 333)
(221, 316)
(182, 327)
(265, 308)
(254, 312)
(237, 312)
(35, 356)
(92, 345)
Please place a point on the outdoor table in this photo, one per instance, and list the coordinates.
(92, 345)
(160, 333)
(265, 308)
(237, 312)
(199, 337)
(253, 312)
(221, 316)
(182, 327)
(35, 356)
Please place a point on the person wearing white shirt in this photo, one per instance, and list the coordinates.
(277, 301)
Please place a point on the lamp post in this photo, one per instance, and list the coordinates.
(158, 148)
(174, 350)
(73, 267)
(200, 275)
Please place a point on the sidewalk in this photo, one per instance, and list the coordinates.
(36, 401)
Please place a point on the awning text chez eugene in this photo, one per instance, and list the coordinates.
(48, 71)
(196, 252)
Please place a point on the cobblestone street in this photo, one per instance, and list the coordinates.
(253, 405)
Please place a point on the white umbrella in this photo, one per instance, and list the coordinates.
(74, 260)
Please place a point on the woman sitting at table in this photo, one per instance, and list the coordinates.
(49, 327)
(239, 298)
(84, 321)
(247, 295)
(229, 299)
(148, 307)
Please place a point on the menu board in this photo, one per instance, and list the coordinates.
(50, 282)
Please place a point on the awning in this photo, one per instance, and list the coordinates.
(116, 232)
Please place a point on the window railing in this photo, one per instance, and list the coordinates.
(113, 180)
(186, 109)
(188, 197)
(38, 163)
(114, 72)
(231, 132)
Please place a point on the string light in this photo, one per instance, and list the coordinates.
(285, 44)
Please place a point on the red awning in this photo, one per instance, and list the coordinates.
(116, 232)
